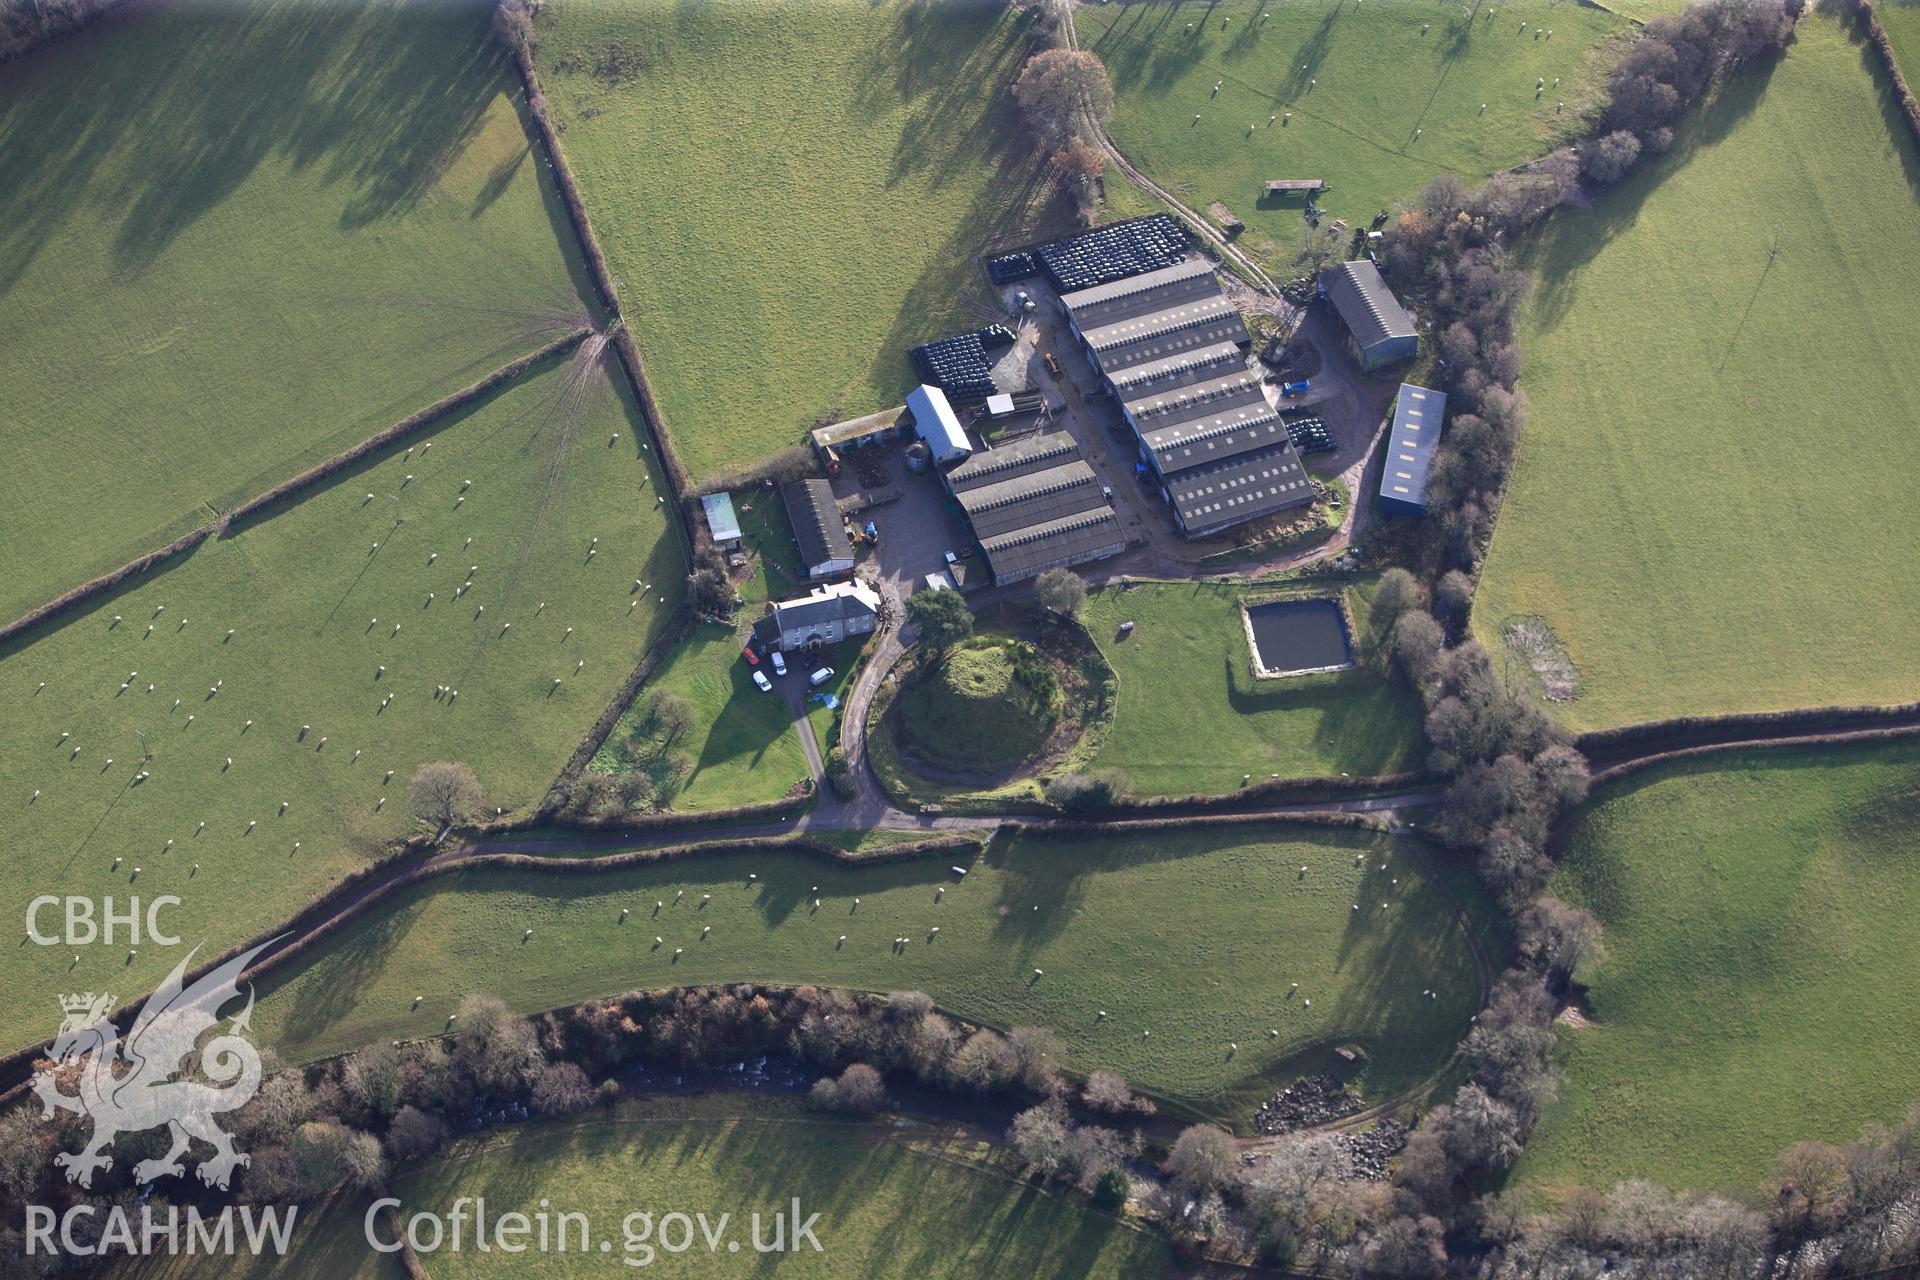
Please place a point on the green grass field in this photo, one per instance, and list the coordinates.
(235, 241)
(782, 239)
(1189, 719)
(298, 591)
(742, 744)
(1194, 937)
(1901, 18)
(1359, 80)
(1762, 972)
(914, 1201)
(1712, 506)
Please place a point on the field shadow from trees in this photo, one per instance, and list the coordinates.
(380, 109)
(1575, 237)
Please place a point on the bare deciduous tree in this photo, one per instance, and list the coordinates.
(1055, 86)
(445, 793)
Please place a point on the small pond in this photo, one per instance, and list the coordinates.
(1293, 637)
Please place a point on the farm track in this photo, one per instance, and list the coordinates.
(1227, 249)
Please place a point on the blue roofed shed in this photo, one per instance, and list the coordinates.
(1417, 415)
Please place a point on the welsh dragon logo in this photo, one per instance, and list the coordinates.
(147, 1081)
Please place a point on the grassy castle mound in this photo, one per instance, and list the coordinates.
(989, 705)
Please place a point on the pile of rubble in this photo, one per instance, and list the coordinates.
(1369, 1150)
(1305, 1103)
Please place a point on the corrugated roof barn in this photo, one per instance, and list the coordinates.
(818, 528)
(1418, 415)
(1379, 330)
(1036, 505)
(1172, 347)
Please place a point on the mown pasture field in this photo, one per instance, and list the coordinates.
(1713, 507)
(299, 590)
(782, 238)
(1901, 18)
(741, 747)
(235, 241)
(891, 1202)
(1762, 966)
(1378, 105)
(1189, 941)
(1190, 718)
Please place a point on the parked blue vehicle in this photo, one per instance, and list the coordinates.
(1299, 388)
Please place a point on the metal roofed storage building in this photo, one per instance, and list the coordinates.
(1418, 416)
(1379, 330)
(1035, 505)
(937, 424)
(722, 522)
(818, 528)
(1172, 347)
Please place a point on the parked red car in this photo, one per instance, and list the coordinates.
(753, 659)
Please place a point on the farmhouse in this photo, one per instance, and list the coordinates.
(937, 424)
(818, 528)
(1417, 417)
(826, 615)
(722, 523)
(1379, 330)
(1035, 505)
(1172, 347)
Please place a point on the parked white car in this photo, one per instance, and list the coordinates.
(779, 662)
(820, 677)
(761, 682)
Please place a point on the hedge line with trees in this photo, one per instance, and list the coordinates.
(1883, 46)
(25, 25)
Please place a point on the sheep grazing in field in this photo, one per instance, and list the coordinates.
(542, 608)
(526, 935)
(76, 751)
(591, 554)
(356, 758)
(406, 480)
(459, 501)
(115, 622)
(36, 796)
(283, 806)
(167, 845)
(388, 778)
(658, 942)
(252, 823)
(578, 665)
(149, 630)
(464, 486)
(64, 735)
(296, 846)
(623, 912)
(843, 938)
(417, 1000)
(453, 695)
(505, 627)
(706, 930)
(677, 951)
(202, 826)
(566, 633)
(379, 804)
(189, 719)
(229, 763)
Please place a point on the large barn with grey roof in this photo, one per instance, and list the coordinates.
(1035, 505)
(1379, 330)
(1173, 350)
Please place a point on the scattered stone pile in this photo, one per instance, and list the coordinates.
(1369, 1150)
(1315, 1100)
